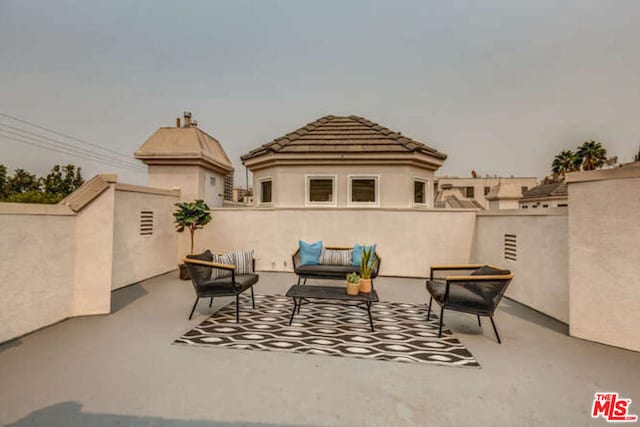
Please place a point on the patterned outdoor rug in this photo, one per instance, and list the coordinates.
(402, 333)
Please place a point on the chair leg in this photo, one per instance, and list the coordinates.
(210, 302)
(253, 301)
(298, 280)
(441, 319)
(305, 281)
(194, 307)
(237, 308)
(495, 330)
(429, 312)
(479, 324)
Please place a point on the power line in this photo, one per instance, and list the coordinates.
(63, 135)
(64, 151)
(66, 145)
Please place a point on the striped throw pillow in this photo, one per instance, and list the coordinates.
(218, 273)
(243, 260)
(335, 256)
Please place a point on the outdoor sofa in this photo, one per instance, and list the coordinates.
(330, 271)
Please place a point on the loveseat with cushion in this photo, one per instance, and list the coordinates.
(334, 263)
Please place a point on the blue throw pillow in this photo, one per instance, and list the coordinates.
(356, 255)
(310, 253)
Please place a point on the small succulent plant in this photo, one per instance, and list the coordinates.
(353, 278)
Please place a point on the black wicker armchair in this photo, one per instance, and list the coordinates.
(477, 293)
(200, 268)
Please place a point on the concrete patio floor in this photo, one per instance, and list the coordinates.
(121, 369)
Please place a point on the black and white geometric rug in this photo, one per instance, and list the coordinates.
(402, 333)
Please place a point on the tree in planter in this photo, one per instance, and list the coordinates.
(192, 216)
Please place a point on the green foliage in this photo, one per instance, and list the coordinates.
(23, 182)
(62, 182)
(192, 216)
(353, 277)
(566, 161)
(4, 182)
(367, 266)
(34, 197)
(589, 156)
(25, 187)
(592, 155)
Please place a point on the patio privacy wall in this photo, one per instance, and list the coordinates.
(534, 246)
(604, 256)
(61, 261)
(408, 240)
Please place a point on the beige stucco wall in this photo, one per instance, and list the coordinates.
(135, 256)
(503, 204)
(604, 257)
(36, 267)
(395, 183)
(408, 240)
(541, 270)
(94, 255)
(192, 181)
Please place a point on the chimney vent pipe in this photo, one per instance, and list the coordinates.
(178, 122)
(187, 119)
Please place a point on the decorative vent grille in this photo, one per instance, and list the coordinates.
(510, 247)
(146, 223)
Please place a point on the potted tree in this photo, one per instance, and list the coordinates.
(365, 270)
(191, 216)
(353, 283)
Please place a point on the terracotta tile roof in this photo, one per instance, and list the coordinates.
(555, 189)
(343, 134)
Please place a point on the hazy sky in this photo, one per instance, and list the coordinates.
(500, 86)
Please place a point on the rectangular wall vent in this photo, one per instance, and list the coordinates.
(146, 223)
(510, 247)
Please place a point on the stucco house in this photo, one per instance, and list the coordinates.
(343, 161)
(188, 158)
(552, 195)
(478, 188)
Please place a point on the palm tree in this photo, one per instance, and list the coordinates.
(592, 155)
(566, 161)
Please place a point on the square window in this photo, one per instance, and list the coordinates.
(469, 192)
(523, 189)
(320, 190)
(363, 190)
(419, 192)
(265, 191)
(212, 180)
(486, 190)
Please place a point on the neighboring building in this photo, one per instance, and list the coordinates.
(553, 195)
(188, 158)
(504, 196)
(478, 188)
(343, 161)
(452, 198)
(242, 195)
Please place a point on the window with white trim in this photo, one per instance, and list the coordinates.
(363, 190)
(420, 191)
(321, 190)
(266, 190)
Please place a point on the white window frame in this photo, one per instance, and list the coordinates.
(350, 202)
(427, 192)
(334, 190)
(260, 181)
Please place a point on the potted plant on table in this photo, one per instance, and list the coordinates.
(192, 216)
(353, 283)
(365, 270)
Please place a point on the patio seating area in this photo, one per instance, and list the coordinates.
(122, 369)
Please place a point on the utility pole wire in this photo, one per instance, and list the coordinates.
(66, 145)
(60, 150)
